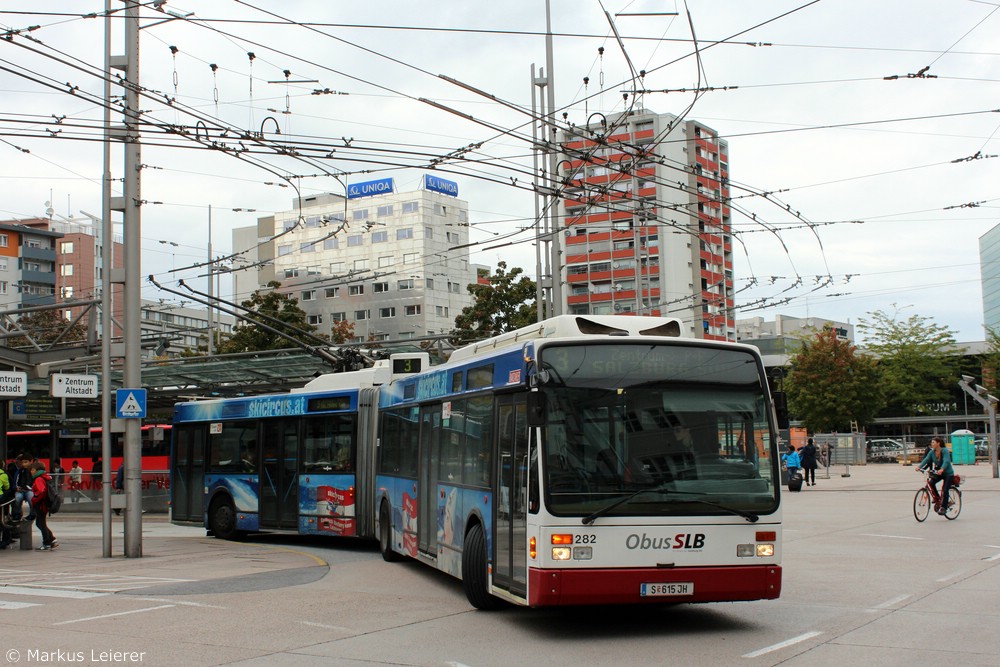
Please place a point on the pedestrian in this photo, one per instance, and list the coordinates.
(118, 484)
(791, 461)
(22, 484)
(6, 500)
(938, 461)
(40, 505)
(75, 480)
(96, 469)
(807, 458)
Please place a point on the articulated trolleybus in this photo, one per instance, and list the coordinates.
(586, 460)
(300, 462)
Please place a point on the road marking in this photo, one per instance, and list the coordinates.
(994, 557)
(890, 603)
(121, 613)
(781, 645)
(891, 537)
(950, 576)
(180, 602)
(4, 604)
(327, 627)
(992, 546)
(49, 592)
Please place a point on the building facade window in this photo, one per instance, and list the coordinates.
(411, 257)
(385, 313)
(411, 310)
(356, 290)
(405, 284)
(384, 211)
(330, 243)
(380, 287)
(361, 214)
(307, 246)
(332, 292)
(66, 270)
(355, 240)
(385, 261)
(309, 295)
(66, 247)
(404, 233)
(361, 265)
(411, 207)
(337, 267)
(314, 319)
(284, 249)
(361, 314)
(380, 236)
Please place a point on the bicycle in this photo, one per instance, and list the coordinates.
(926, 498)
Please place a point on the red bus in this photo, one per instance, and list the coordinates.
(67, 448)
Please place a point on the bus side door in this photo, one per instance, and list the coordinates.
(279, 483)
(510, 543)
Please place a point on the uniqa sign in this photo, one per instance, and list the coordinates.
(369, 188)
(440, 185)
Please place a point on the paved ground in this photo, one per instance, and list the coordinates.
(864, 583)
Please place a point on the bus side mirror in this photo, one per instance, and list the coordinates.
(780, 408)
(536, 409)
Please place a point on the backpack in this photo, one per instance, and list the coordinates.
(53, 495)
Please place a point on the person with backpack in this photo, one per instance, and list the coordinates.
(44, 500)
(22, 483)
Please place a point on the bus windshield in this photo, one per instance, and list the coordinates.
(672, 429)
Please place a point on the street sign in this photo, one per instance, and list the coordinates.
(64, 385)
(13, 383)
(130, 403)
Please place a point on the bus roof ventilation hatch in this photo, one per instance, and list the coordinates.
(672, 329)
(590, 327)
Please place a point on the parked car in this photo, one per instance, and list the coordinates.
(983, 448)
(890, 450)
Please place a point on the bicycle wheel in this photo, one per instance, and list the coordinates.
(921, 505)
(954, 504)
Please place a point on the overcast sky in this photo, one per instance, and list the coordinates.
(848, 122)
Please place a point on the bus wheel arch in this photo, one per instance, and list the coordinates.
(385, 533)
(222, 517)
(475, 569)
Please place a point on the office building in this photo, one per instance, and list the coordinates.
(394, 264)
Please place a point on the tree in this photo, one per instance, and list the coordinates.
(504, 304)
(249, 337)
(917, 361)
(991, 361)
(830, 384)
(45, 328)
(341, 331)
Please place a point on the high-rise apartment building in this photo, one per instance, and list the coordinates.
(27, 265)
(646, 221)
(395, 264)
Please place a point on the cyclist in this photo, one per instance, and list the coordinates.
(938, 462)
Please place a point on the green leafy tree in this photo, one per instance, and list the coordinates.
(47, 328)
(917, 361)
(830, 384)
(505, 303)
(249, 337)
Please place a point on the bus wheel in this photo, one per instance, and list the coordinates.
(474, 574)
(222, 519)
(385, 535)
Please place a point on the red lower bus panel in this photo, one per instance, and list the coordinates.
(598, 586)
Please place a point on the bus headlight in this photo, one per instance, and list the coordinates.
(765, 550)
(744, 550)
(583, 553)
(561, 553)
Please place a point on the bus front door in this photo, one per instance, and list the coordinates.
(187, 501)
(278, 488)
(510, 563)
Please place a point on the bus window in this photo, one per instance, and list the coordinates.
(478, 440)
(234, 444)
(328, 444)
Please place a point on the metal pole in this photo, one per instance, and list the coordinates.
(555, 226)
(539, 229)
(210, 271)
(133, 296)
(107, 259)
